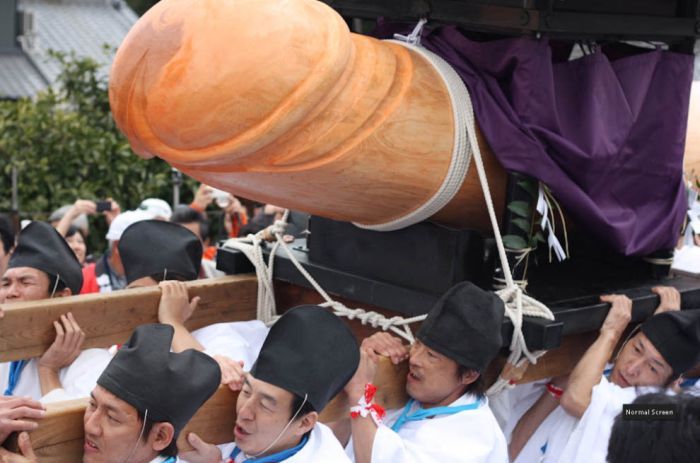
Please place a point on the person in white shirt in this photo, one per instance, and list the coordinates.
(165, 254)
(307, 358)
(572, 420)
(447, 419)
(43, 266)
(141, 402)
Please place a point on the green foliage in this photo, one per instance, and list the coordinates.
(520, 208)
(524, 218)
(66, 145)
(514, 242)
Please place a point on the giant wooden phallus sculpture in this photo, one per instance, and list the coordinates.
(276, 100)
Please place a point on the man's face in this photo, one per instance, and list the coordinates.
(24, 284)
(112, 431)
(640, 364)
(433, 379)
(263, 410)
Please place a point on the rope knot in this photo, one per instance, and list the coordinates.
(414, 37)
(279, 227)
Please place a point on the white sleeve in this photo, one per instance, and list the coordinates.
(509, 405)
(81, 376)
(79, 379)
(237, 340)
(389, 447)
(225, 450)
(589, 441)
(57, 395)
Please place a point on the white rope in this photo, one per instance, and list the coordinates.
(461, 153)
(414, 37)
(659, 260)
(517, 304)
(251, 246)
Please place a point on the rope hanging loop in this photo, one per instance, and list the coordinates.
(517, 304)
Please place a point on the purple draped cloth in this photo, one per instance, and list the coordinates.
(605, 132)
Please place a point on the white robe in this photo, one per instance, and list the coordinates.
(239, 341)
(509, 405)
(564, 438)
(236, 340)
(78, 379)
(687, 260)
(322, 447)
(695, 389)
(471, 436)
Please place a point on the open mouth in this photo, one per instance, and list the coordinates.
(90, 446)
(618, 378)
(411, 376)
(239, 432)
(623, 381)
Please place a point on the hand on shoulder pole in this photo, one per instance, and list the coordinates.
(15, 413)
(25, 446)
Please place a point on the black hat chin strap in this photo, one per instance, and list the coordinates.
(279, 436)
(627, 339)
(138, 439)
(55, 286)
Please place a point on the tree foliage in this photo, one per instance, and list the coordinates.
(66, 145)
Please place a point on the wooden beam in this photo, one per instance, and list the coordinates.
(26, 330)
(60, 436)
(556, 362)
(562, 360)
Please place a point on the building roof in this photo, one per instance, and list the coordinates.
(80, 26)
(18, 76)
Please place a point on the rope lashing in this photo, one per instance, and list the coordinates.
(520, 256)
(659, 261)
(414, 37)
(251, 246)
(461, 154)
(517, 304)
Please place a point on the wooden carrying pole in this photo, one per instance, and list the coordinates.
(26, 329)
(60, 436)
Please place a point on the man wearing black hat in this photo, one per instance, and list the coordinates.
(447, 418)
(307, 358)
(572, 421)
(166, 254)
(43, 266)
(142, 401)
